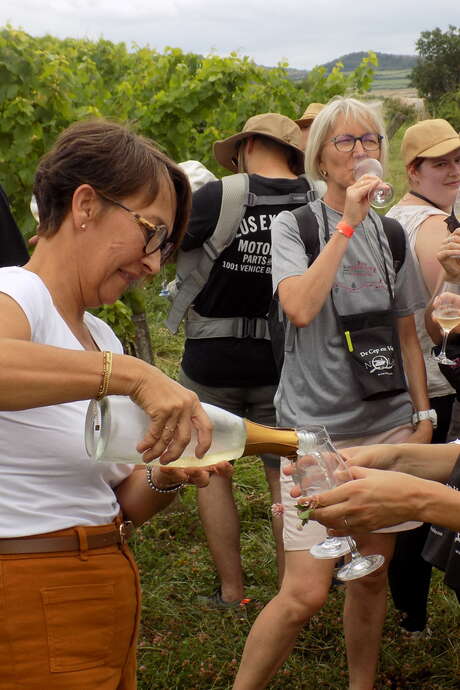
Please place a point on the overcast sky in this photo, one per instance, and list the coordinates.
(305, 33)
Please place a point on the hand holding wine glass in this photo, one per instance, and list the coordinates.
(383, 194)
(311, 476)
(337, 472)
(446, 311)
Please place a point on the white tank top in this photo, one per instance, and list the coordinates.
(411, 218)
(48, 482)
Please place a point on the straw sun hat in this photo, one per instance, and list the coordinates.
(309, 115)
(272, 125)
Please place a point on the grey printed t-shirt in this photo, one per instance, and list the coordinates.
(317, 384)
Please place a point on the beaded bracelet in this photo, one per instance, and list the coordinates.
(157, 489)
(106, 373)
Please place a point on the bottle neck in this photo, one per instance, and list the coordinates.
(267, 439)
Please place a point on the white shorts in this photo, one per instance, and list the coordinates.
(312, 533)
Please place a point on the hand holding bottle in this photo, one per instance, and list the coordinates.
(115, 424)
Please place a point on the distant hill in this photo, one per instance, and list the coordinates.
(387, 61)
(393, 71)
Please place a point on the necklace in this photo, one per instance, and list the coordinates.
(451, 221)
(424, 198)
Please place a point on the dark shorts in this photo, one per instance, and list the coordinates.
(254, 403)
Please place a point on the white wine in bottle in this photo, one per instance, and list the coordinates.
(115, 425)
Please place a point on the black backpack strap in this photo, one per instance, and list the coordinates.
(308, 230)
(396, 239)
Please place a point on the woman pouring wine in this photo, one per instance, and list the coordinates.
(112, 209)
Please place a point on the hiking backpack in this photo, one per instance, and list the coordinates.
(194, 267)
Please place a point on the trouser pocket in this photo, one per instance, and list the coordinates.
(80, 623)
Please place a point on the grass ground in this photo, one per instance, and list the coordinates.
(183, 647)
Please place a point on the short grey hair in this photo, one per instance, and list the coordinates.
(351, 109)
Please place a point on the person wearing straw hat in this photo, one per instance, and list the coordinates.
(306, 120)
(431, 153)
(235, 369)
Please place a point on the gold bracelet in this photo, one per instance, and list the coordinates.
(106, 373)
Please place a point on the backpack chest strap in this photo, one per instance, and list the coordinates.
(197, 326)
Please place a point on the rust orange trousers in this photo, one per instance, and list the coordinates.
(68, 620)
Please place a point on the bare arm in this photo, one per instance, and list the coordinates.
(430, 237)
(378, 499)
(34, 375)
(139, 503)
(414, 366)
(408, 489)
(434, 462)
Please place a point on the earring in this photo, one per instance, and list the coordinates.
(83, 226)
(324, 173)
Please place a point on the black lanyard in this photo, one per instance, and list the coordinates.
(387, 277)
(451, 221)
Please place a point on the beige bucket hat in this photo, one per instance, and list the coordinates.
(309, 115)
(429, 139)
(272, 125)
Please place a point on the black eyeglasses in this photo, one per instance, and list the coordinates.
(156, 236)
(347, 142)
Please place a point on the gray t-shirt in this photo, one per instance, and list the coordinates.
(317, 384)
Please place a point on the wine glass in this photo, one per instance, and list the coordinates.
(312, 478)
(383, 194)
(446, 312)
(330, 471)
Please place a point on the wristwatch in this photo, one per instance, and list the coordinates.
(425, 414)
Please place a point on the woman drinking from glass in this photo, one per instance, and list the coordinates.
(340, 373)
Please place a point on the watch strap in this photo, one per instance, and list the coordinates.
(421, 415)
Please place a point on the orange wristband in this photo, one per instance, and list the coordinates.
(344, 229)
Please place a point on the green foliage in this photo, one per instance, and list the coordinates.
(448, 107)
(437, 72)
(386, 61)
(322, 85)
(119, 318)
(183, 101)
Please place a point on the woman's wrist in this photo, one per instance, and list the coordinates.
(155, 480)
(345, 228)
(127, 374)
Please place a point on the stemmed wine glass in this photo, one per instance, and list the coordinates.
(312, 478)
(320, 467)
(446, 312)
(383, 194)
